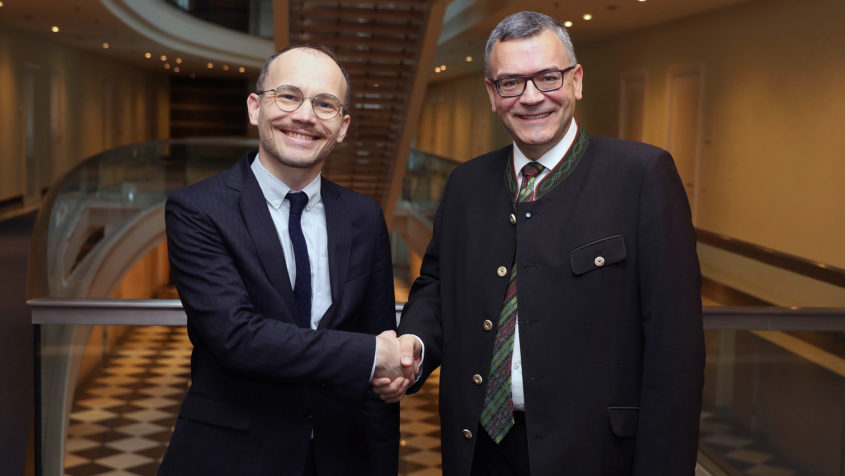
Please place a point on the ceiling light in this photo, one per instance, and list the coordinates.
(1, 4)
(148, 55)
(241, 69)
(166, 65)
(641, 1)
(469, 59)
(437, 69)
(163, 58)
(567, 24)
(587, 17)
(55, 29)
(176, 69)
(210, 65)
(225, 67)
(375, 85)
(442, 67)
(178, 60)
(105, 46)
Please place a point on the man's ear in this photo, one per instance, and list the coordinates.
(344, 126)
(577, 81)
(491, 93)
(253, 104)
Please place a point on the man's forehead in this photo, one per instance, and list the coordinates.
(288, 67)
(521, 56)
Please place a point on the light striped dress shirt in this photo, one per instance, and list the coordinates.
(313, 227)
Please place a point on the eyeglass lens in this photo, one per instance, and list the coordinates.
(545, 81)
(289, 99)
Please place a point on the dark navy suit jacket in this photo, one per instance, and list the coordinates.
(261, 386)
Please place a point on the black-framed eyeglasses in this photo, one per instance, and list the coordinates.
(545, 81)
(289, 99)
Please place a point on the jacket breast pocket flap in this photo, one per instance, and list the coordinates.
(598, 254)
(213, 412)
(623, 420)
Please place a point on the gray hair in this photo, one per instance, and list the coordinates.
(525, 25)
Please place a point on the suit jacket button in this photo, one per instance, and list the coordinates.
(512, 218)
(467, 434)
(502, 271)
(476, 379)
(487, 324)
(599, 261)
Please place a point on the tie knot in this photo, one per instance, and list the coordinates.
(531, 169)
(298, 200)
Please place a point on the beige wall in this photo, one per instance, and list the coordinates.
(86, 121)
(772, 156)
(772, 160)
(457, 122)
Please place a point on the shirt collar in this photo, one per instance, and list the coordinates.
(275, 190)
(550, 159)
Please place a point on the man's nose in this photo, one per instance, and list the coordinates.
(531, 95)
(305, 112)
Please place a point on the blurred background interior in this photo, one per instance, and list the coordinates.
(109, 104)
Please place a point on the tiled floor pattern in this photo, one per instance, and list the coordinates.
(743, 451)
(122, 418)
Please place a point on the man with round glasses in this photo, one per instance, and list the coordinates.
(287, 283)
(560, 293)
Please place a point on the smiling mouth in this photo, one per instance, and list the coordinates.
(535, 116)
(298, 135)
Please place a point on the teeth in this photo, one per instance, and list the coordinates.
(297, 135)
(537, 116)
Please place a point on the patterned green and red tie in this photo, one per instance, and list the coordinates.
(497, 414)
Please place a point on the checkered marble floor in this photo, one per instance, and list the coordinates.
(122, 418)
(745, 453)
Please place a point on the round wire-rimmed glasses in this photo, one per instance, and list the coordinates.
(290, 98)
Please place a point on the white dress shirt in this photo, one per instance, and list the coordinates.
(313, 223)
(549, 161)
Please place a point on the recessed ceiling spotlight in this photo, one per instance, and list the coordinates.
(225, 67)
(178, 60)
(1, 4)
(163, 58)
(166, 65)
(469, 59)
(176, 69)
(55, 29)
(437, 69)
(567, 24)
(587, 17)
(148, 55)
(105, 45)
(241, 69)
(210, 65)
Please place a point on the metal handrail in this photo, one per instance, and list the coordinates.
(796, 264)
(169, 312)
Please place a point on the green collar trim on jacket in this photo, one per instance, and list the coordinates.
(558, 174)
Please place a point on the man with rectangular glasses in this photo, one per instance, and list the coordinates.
(560, 293)
(287, 282)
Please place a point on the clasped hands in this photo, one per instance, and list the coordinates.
(397, 365)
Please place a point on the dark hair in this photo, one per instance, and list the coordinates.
(259, 85)
(525, 25)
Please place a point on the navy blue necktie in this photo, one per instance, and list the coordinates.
(302, 285)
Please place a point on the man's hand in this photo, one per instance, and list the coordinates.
(397, 365)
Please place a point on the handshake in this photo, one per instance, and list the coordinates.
(397, 365)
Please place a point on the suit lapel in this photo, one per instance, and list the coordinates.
(339, 241)
(261, 229)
